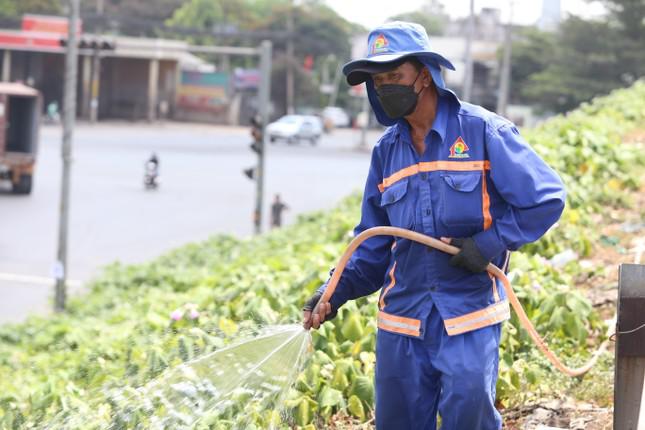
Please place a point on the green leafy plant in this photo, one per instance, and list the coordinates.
(138, 321)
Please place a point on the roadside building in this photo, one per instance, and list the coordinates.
(120, 77)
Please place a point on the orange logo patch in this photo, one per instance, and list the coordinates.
(459, 149)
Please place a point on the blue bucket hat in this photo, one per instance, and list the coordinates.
(387, 46)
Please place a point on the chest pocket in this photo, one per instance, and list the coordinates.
(397, 203)
(461, 198)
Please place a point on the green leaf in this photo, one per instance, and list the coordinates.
(303, 413)
(352, 328)
(363, 388)
(330, 397)
(355, 407)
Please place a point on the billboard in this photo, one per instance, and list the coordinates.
(203, 91)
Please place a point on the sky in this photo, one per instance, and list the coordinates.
(371, 13)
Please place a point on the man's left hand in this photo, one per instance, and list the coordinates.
(469, 257)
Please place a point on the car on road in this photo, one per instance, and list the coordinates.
(295, 128)
(336, 116)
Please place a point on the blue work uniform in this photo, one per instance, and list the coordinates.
(439, 325)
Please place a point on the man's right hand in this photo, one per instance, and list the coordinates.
(322, 314)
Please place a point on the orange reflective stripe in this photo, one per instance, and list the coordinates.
(457, 166)
(389, 287)
(488, 220)
(415, 323)
(398, 329)
(397, 324)
(403, 173)
(494, 319)
(493, 314)
(432, 166)
(508, 260)
(495, 293)
(477, 314)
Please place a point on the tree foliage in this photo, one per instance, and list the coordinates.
(583, 59)
(318, 32)
(16, 8)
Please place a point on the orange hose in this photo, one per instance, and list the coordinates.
(492, 269)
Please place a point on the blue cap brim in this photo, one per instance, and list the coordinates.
(358, 71)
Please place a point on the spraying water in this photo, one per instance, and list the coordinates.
(224, 389)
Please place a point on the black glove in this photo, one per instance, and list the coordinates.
(469, 256)
(313, 301)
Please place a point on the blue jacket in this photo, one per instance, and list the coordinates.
(477, 178)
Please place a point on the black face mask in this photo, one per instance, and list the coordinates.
(398, 100)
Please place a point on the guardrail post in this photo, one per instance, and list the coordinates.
(629, 377)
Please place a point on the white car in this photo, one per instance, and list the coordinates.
(294, 128)
(336, 116)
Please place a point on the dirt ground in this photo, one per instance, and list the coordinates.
(622, 233)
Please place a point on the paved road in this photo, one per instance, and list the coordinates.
(203, 192)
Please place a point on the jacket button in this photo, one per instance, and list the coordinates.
(428, 212)
(424, 176)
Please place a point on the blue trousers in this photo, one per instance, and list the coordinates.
(452, 375)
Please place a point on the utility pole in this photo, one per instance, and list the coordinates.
(505, 78)
(69, 114)
(95, 78)
(94, 86)
(468, 73)
(264, 100)
(365, 112)
(337, 78)
(290, 59)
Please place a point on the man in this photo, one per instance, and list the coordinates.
(452, 170)
(151, 171)
(277, 207)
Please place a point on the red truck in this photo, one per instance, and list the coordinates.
(20, 108)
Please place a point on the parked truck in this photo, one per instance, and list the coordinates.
(20, 108)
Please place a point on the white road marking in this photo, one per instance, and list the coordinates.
(40, 280)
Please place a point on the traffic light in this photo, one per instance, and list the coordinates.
(258, 142)
(256, 147)
(93, 43)
(256, 128)
(250, 173)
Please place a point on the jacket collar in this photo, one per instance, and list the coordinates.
(440, 123)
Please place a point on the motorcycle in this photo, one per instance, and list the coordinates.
(151, 176)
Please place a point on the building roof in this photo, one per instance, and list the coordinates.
(124, 47)
(17, 89)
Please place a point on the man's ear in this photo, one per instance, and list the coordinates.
(427, 79)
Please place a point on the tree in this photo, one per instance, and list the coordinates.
(17, 8)
(161, 11)
(630, 15)
(533, 52)
(585, 58)
(319, 31)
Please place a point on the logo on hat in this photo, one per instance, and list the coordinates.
(379, 45)
(459, 149)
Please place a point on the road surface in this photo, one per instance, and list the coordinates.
(202, 192)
